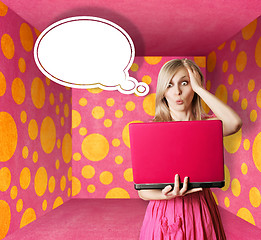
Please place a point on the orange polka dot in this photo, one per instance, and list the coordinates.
(38, 93)
(2, 83)
(152, 60)
(241, 61)
(249, 30)
(257, 53)
(5, 218)
(28, 217)
(18, 91)
(26, 37)
(3, 12)
(211, 61)
(7, 46)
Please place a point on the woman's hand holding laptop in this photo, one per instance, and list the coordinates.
(176, 192)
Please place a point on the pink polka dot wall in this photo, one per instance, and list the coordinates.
(35, 131)
(234, 75)
(100, 119)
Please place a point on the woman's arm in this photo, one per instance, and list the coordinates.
(230, 119)
(166, 193)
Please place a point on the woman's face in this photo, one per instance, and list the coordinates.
(179, 93)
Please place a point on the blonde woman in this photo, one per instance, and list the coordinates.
(181, 213)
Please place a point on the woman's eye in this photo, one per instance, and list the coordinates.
(184, 83)
(170, 85)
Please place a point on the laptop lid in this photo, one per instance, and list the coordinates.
(159, 150)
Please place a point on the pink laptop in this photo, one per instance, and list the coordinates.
(159, 150)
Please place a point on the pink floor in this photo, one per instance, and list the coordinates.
(114, 219)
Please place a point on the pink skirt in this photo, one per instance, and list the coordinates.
(191, 217)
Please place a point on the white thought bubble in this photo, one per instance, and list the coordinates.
(88, 52)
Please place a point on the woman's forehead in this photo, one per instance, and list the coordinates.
(180, 74)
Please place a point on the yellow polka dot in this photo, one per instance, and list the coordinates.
(227, 178)
(200, 61)
(25, 152)
(51, 184)
(227, 202)
(3, 12)
(77, 156)
(244, 103)
(126, 135)
(91, 188)
(205, 106)
(23, 117)
(94, 90)
(241, 61)
(7, 46)
(83, 102)
(107, 123)
(149, 104)
(98, 112)
(128, 175)
(95, 147)
(48, 81)
(230, 79)
(246, 144)
(38, 93)
(33, 129)
(118, 114)
(244, 168)
(58, 202)
(220, 47)
(110, 102)
(221, 93)
(233, 45)
(5, 179)
(69, 192)
(236, 187)
(76, 186)
(119, 159)
(66, 110)
(48, 135)
(76, 118)
(117, 193)
(255, 197)
(63, 183)
(152, 60)
(249, 30)
(18, 91)
(40, 181)
(245, 214)
(22, 65)
(257, 52)
(82, 131)
(232, 142)
(88, 171)
(208, 85)
(5, 218)
(51, 99)
(13, 192)
(251, 85)
(116, 142)
(134, 67)
(26, 37)
(57, 164)
(130, 106)
(235, 95)
(57, 109)
(58, 143)
(2, 83)
(258, 98)
(35, 157)
(69, 175)
(225, 66)
(44, 205)
(146, 79)
(19, 205)
(106, 177)
(28, 217)
(62, 121)
(67, 148)
(256, 151)
(215, 197)
(253, 115)
(25, 178)
(211, 61)
(8, 136)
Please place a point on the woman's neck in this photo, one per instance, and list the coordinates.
(182, 115)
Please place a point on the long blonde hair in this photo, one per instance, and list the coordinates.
(168, 70)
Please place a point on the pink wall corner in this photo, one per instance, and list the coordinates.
(35, 131)
(234, 75)
(100, 146)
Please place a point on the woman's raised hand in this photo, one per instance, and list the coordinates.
(176, 192)
(195, 79)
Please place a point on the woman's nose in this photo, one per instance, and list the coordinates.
(177, 90)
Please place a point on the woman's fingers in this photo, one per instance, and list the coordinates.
(193, 190)
(184, 189)
(166, 190)
(176, 185)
